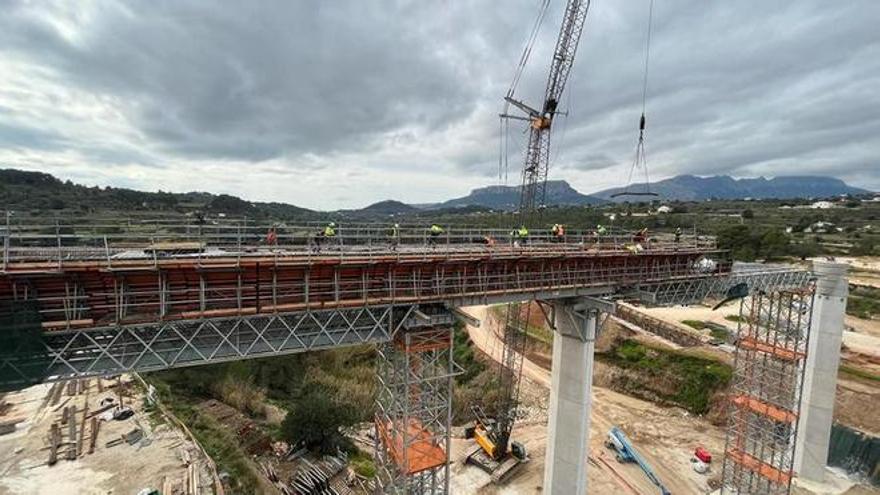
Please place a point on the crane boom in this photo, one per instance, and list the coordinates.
(537, 158)
(532, 196)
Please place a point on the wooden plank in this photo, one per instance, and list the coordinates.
(54, 440)
(94, 435)
(58, 393)
(63, 404)
(80, 444)
(71, 433)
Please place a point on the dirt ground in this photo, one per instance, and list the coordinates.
(666, 437)
(856, 400)
(864, 270)
(162, 452)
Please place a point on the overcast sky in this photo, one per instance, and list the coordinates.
(340, 104)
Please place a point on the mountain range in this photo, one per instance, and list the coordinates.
(694, 188)
(25, 191)
(558, 192)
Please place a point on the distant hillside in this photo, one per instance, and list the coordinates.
(380, 210)
(30, 191)
(693, 188)
(559, 192)
(389, 207)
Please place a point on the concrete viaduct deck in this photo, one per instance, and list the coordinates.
(79, 313)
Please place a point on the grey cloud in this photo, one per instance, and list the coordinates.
(735, 87)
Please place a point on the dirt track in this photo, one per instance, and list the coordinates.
(666, 437)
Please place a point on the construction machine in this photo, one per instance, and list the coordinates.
(495, 452)
(625, 451)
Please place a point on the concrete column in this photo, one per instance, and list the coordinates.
(568, 429)
(820, 374)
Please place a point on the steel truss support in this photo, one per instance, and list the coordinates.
(765, 397)
(693, 290)
(29, 355)
(414, 406)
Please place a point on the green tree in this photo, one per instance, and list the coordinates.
(774, 244)
(738, 239)
(316, 419)
(865, 247)
(806, 249)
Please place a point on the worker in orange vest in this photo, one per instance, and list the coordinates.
(558, 231)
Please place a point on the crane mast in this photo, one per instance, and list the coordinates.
(532, 197)
(537, 155)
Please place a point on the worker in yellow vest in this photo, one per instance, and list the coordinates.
(394, 237)
(329, 232)
(520, 236)
(434, 234)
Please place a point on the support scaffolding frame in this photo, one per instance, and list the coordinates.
(414, 408)
(765, 395)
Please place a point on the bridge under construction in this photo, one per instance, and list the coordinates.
(77, 302)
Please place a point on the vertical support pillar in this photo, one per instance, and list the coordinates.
(820, 378)
(414, 408)
(568, 430)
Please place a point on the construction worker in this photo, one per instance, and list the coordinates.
(678, 235)
(434, 233)
(520, 236)
(601, 232)
(329, 232)
(640, 239)
(394, 237)
(271, 236)
(558, 231)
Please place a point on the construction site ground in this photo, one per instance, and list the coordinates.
(273, 463)
(665, 436)
(159, 458)
(857, 397)
(864, 270)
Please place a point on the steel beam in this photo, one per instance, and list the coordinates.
(29, 355)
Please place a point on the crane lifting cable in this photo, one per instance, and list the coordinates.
(640, 162)
(504, 117)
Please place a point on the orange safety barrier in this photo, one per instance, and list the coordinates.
(774, 350)
(760, 467)
(765, 409)
(420, 454)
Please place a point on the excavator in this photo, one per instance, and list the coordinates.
(495, 452)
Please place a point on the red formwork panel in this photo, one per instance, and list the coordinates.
(91, 293)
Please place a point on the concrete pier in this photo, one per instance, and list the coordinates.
(568, 429)
(820, 376)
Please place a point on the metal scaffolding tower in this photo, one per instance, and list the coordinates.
(414, 406)
(766, 391)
